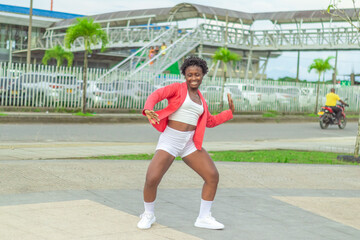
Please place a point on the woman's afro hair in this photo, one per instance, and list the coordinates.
(194, 61)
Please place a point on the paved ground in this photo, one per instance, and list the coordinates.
(47, 194)
(88, 199)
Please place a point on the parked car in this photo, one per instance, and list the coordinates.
(132, 93)
(167, 82)
(16, 94)
(4, 83)
(287, 97)
(250, 97)
(101, 94)
(267, 95)
(212, 96)
(51, 89)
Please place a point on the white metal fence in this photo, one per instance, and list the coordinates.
(47, 86)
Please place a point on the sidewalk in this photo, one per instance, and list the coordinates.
(102, 199)
(43, 117)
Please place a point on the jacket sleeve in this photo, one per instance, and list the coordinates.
(214, 120)
(159, 95)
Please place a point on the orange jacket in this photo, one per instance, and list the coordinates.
(175, 94)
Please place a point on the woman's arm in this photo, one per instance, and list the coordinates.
(159, 95)
(152, 116)
(213, 121)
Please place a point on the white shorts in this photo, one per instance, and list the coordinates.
(177, 143)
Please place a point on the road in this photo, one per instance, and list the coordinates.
(145, 133)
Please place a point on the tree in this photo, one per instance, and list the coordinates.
(59, 54)
(320, 66)
(346, 15)
(224, 55)
(350, 17)
(92, 34)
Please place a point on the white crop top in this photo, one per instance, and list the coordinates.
(189, 112)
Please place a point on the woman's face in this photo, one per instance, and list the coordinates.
(193, 76)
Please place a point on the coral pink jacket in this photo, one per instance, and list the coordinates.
(175, 94)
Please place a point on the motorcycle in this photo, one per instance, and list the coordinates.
(328, 117)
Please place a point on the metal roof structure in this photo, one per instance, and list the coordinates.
(121, 18)
(38, 12)
(308, 16)
(184, 11)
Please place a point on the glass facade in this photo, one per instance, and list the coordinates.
(18, 36)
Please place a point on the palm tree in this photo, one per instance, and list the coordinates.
(59, 54)
(224, 55)
(92, 34)
(320, 66)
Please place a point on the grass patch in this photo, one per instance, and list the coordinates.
(3, 114)
(312, 115)
(270, 113)
(265, 156)
(84, 114)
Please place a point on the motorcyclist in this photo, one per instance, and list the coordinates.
(331, 99)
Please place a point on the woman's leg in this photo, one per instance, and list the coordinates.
(156, 170)
(201, 162)
(159, 164)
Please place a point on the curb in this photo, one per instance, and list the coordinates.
(137, 118)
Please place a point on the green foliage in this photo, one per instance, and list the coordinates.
(267, 156)
(84, 114)
(289, 79)
(3, 114)
(330, 7)
(270, 113)
(91, 32)
(225, 55)
(320, 65)
(59, 54)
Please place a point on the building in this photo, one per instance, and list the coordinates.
(14, 24)
(187, 29)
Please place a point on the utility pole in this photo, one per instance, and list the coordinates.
(298, 66)
(52, 3)
(28, 56)
(335, 68)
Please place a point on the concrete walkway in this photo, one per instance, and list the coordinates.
(46, 194)
(94, 199)
(48, 191)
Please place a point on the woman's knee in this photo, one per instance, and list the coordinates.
(152, 180)
(212, 177)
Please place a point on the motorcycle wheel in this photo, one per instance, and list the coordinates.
(342, 122)
(322, 124)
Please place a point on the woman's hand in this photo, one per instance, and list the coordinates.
(231, 103)
(152, 116)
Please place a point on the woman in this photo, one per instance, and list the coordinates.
(182, 124)
(151, 54)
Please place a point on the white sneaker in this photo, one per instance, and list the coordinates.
(208, 222)
(147, 219)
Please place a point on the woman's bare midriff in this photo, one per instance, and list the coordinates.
(180, 126)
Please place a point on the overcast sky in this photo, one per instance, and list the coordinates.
(88, 7)
(285, 65)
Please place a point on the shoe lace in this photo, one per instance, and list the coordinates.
(210, 217)
(146, 215)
